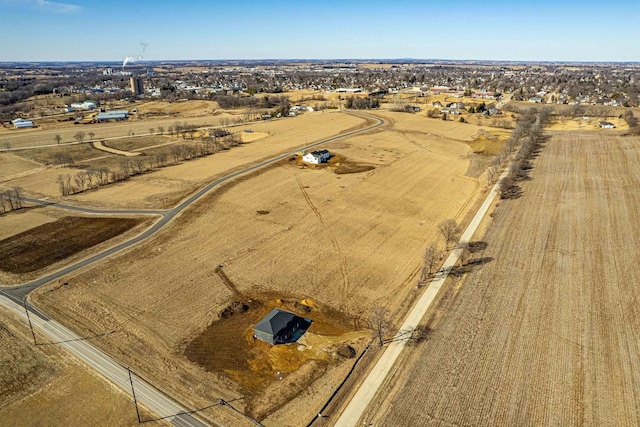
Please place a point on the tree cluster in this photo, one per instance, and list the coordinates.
(362, 103)
(632, 121)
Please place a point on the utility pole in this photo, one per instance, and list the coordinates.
(135, 401)
(24, 302)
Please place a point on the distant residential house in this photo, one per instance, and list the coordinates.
(437, 104)
(411, 108)
(606, 125)
(86, 105)
(280, 326)
(316, 157)
(348, 90)
(22, 123)
(535, 99)
(450, 111)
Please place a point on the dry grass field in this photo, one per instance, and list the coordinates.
(164, 187)
(548, 333)
(284, 234)
(40, 386)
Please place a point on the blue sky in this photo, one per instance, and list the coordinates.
(75, 30)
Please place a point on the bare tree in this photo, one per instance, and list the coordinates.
(139, 163)
(160, 130)
(58, 139)
(151, 130)
(380, 322)
(79, 136)
(91, 135)
(450, 231)
(431, 256)
(17, 196)
(64, 183)
(82, 178)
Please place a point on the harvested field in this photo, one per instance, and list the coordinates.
(24, 368)
(347, 242)
(46, 244)
(172, 183)
(548, 333)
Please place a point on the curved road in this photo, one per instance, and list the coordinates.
(14, 298)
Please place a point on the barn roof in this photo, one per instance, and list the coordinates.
(275, 321)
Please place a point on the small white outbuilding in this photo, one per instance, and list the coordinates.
(22, 123)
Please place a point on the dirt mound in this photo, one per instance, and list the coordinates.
(234, 308)
(347, 351)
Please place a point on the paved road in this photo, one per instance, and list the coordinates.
(13, 297)
(374, 381)
(150, 396)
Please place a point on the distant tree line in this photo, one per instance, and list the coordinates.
(361, 103)
(97, 177)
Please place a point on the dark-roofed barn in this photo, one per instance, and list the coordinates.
(280, 326)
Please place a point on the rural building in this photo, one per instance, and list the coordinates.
(606, 125)
(86, 105)
(411, 108)
(137, 87)
(22, 123)
(316, 157)
(113, 115)
(280, 326)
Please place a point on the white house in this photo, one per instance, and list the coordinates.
(86, 105)
(606, 125)
(22, 123)
(316, 157)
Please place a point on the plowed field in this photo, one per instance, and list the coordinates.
(548, 333)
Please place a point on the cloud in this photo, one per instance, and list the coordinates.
(58, 7)
(49, 6)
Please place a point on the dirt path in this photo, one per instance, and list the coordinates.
(100, 146)
(334, 241)
(548, 333)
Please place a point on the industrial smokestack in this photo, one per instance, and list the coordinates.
(130, 59)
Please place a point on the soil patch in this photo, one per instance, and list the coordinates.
(338, 163)
(49, 243)
(227, 346)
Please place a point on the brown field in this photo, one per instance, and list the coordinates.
(13, 166)
(32, 250)
(40, 386)
(169, 185)
(22, 220)
(548, 332)
(287, 232)
(563, 123)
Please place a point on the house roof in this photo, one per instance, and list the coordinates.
(274, 322)
(320, 152)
